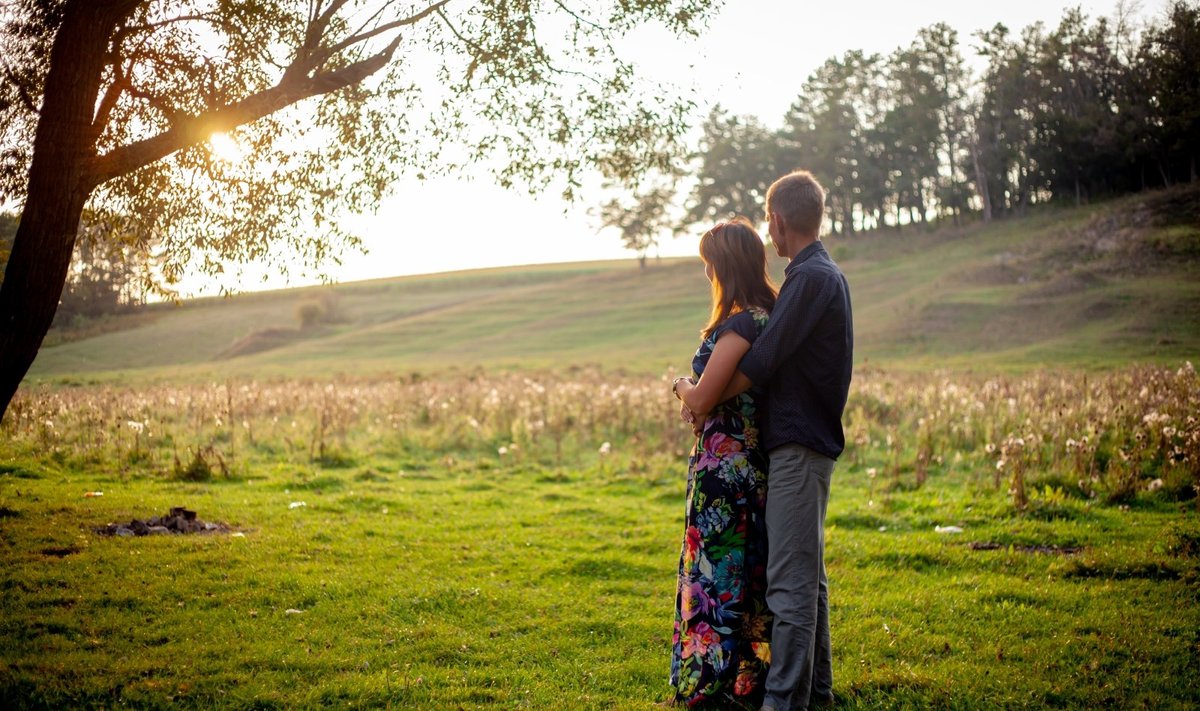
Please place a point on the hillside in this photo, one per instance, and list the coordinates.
(1093, 286)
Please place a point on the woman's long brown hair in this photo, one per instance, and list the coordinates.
(740, 277)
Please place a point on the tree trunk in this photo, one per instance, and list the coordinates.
(1163, 173)
(981, 182)
(59, 186)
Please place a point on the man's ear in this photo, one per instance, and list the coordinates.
(780, 226)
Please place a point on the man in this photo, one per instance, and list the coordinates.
(804, 358)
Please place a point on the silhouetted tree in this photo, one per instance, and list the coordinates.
(642, 222)
(114, 104)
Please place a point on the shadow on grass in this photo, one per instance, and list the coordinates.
(857, 521)
(1110, 570)
(18, 472)
(916, 562)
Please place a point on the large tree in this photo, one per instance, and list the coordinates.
(116, 106)
(1173, 66)
(642, 220)
(825, 131)
(734, 167)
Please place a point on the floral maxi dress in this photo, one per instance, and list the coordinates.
(722, 627)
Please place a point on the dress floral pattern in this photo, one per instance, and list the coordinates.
(722, 627)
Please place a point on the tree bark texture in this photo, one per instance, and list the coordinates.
(59, 186)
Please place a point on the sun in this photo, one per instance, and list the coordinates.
(226, 148)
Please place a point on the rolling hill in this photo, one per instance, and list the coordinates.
(1095, 286)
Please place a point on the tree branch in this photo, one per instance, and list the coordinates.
(386, 27)
(318, 22)
(192, 130)
(109, 101)
(127, 30)
(477, 52)
(582, 20)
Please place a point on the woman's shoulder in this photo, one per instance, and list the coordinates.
(759, 315)
(755, 316)
(747, 323)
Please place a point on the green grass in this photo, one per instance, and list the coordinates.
(1093, 287)
(472, 583)
(432, 572)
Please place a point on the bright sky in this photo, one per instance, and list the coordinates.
(752, 60)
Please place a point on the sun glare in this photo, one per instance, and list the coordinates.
(226, 147)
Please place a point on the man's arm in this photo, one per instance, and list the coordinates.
(802, 301)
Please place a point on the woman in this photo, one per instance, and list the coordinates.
(722, 627)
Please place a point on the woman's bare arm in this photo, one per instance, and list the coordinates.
(702, 397)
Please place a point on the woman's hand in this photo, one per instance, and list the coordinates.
(696, 420)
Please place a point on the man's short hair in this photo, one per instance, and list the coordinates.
(799, 200)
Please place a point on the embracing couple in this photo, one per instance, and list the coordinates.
(769, 384)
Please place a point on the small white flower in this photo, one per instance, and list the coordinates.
(605, 449)
(502, 451)
(136, 426)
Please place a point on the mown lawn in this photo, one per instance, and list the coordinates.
(483, 580)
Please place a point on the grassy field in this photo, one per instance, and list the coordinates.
(508, 541)
(1094, 287)
(533, 586)
(466, 490)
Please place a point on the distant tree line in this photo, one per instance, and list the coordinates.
(111, 273)
(1089, 109)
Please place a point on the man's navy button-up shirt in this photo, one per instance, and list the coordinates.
(804, 355)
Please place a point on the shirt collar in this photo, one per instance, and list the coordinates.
(810, 250)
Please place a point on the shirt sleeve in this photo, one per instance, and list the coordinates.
(741, 323)
(801, 303)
